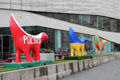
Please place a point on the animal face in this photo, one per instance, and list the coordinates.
(104, 41)
(45, 36)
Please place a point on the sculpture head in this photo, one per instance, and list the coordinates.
(74, 39)
(44, 36)
(104, 41)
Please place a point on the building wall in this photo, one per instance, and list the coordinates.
(31, 19)
(110, 8)
(27, 13)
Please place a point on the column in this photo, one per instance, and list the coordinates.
(93, 43)
(14, 51)
(97, 22)
(57, 39)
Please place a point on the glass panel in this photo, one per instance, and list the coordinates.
(6, 44)
(92, 21)
(116, 47)
(113, 24)
(118, 26)
(89, 21)
(80, 19)
(57, 16)
(74, 18)
(88, 44)
(0, 44)
(6, 50)
(104, 24)
(1, 53)
(65, 40)
(5, 31)
(65, 17)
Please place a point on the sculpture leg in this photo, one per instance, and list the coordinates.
(72, 52)
(103, 49)
(72, 49)
(97, 51)
(82, 49)
(37, 53)
(28, 57)
(33, 54)
(78, 51)
(103, 52)
(17, 56)
(100, 51)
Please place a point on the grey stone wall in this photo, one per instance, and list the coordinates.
(56, 71)
(110, 8)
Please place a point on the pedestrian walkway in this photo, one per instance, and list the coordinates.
(108, 71)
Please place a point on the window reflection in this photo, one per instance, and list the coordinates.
(118, 26)
(74, 19)
(65, 40)
(92, 21)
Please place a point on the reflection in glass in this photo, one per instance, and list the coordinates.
(89, 21)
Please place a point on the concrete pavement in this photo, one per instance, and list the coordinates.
(109, 71)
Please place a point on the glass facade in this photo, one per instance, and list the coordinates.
(91, 21)
(59, 38)
(108, 24)
(65, 40)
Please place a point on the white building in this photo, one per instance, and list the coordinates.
(86, 17)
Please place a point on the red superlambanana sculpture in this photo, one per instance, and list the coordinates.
(25, 42)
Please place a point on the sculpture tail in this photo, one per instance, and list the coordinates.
(15, 28)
